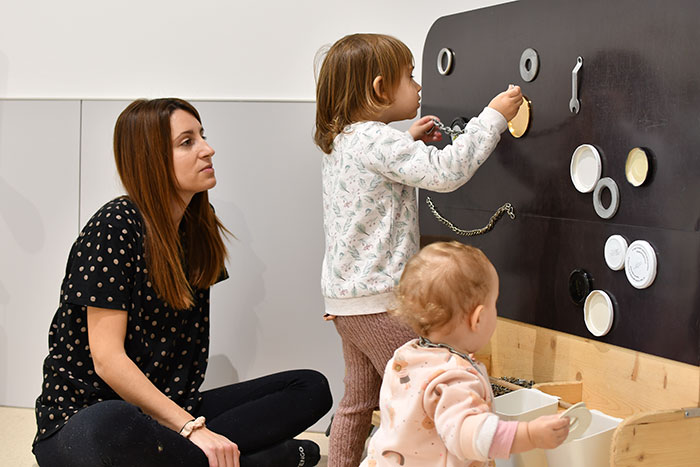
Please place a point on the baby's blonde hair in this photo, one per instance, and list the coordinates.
(443, 279)
(344, 91)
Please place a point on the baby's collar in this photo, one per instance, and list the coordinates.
(425, 342)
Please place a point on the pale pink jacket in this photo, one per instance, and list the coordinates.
(436, 410)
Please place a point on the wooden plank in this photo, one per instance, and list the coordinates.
(666, 438)
(617, 381)
(569, 391)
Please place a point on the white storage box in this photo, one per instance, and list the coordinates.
(591, 449)
(525, 405)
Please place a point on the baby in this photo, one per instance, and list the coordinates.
(436, 401)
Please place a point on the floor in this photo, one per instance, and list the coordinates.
(16, 434)
(18, 427)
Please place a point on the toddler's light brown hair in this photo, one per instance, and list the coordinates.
(443, 279)
(344, 91)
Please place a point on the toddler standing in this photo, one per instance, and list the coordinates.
(436, 401)
(370, 172)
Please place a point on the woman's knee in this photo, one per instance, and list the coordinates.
(88, 435)
(110, 422)
(314, 392)
(317, 384)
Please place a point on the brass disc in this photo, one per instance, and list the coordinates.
(520, 123)
(637, 166)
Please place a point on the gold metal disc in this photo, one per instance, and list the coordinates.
(520, 123)
(637, 166)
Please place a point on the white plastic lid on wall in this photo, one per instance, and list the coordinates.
(598, 313)
(586, 167)
(640, 264)
(615, 251)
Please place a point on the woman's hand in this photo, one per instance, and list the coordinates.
(549, 431)
(424, 129)
(220, 451)
(508, 102)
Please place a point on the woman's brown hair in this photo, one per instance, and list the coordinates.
(143, 152)
(344, 92)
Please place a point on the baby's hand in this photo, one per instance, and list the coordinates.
(549, 431)
(508, 102)
(424, 129)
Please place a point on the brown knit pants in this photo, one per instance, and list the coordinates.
(369, 342)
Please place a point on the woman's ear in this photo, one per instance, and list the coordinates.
(378, 86)
(475, 317)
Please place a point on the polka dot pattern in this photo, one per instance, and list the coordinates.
(106, 269)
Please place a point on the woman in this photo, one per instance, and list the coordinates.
(128, 346)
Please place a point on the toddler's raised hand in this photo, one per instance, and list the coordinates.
(424, 129)
(508, 102)
(548, 431)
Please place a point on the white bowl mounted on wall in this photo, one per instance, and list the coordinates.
(598, 313)
(586, 167)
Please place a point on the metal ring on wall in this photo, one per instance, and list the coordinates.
(445, 55)
(529, 64)
(603, 212)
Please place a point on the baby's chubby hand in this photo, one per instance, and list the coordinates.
(508, 102)
(549, 431)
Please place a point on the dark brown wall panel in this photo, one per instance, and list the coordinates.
(639, 86)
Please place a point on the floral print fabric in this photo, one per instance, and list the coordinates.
(369, 198)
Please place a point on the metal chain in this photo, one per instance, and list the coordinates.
(427, 343)
(506, 208)
(442, 127)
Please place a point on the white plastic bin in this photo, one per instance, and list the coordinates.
(525, 405)
(591, 449)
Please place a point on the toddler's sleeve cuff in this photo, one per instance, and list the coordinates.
(494, 118)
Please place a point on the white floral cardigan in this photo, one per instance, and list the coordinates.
(369, 204)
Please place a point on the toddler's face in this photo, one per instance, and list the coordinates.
(406, 98)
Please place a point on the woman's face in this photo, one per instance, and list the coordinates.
(192, 155)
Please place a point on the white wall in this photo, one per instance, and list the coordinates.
(204, 49)
(38, 223)
(55, 165)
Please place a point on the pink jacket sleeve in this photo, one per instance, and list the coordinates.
(456, 402)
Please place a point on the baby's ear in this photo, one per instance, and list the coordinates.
(379, 88)
(474, 318)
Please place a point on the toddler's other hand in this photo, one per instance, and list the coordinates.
(549, 431)
(421, 129)
(508, 102)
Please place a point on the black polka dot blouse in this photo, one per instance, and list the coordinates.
(106, 269)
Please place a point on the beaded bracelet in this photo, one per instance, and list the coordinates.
(192, 425)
